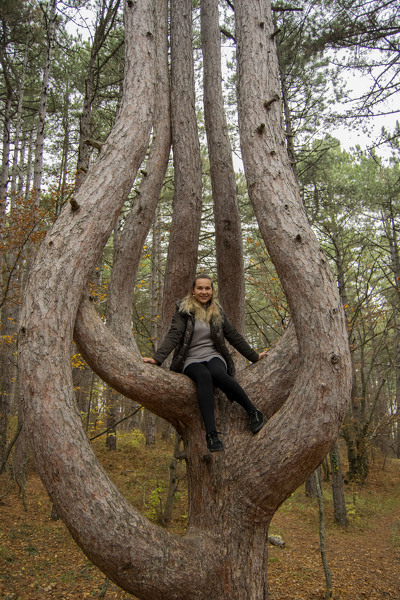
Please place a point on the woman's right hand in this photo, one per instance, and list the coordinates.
(150, 360)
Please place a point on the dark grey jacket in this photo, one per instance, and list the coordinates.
(180, 336)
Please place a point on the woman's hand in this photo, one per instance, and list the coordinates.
(262, 354)
(150, 360)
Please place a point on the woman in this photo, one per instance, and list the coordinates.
(197, 334)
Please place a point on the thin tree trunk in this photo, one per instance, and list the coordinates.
(328, 575)
(5, 165)
(155, 282)
(20, 167)
(29, 165)
(339, 502)
(62, 180)
(39, 143)
(17, 135)
(150, 428)
(8, 326)
(138, 222)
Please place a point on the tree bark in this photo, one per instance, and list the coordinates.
(186, 219)
(39, 144)
(339, 502)
(321, 392)
(53, 294)
(130, 243)
(17, 135)
(5, 165)
(228, 234)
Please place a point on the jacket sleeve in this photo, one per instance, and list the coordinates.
(237, 341)
(173, 337)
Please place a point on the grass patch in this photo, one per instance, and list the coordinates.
(6, 555)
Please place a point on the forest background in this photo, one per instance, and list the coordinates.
(62, 73)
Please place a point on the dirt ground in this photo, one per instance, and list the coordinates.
(40, 561)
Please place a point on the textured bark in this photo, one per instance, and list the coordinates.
(17, 135)
(233, 495)
(29, 165)
(339, 502)
(228, 235)
(390, 224)
(39, 143)
(319, 398)
(51, 301)
(183, 242)
(5, 165)
(130, 243)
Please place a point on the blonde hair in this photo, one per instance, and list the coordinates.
(211, 312)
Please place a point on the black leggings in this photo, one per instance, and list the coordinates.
(212, 373)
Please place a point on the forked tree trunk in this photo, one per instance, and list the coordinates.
(232, 495)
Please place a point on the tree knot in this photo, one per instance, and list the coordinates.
(269, 103)
(74, 205)
(335, 359)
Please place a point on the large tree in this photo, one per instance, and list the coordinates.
(303, 387)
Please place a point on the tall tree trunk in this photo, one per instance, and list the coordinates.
(138, 222)
(327, 571)
(391, 228)
(228, 234)
(155, 282)
(29, 164)
(39, 144)
(5, 324)
(186, 219)
(128, 244)
(5, 165)
(62, 179)
(17, 135)
(339, 503)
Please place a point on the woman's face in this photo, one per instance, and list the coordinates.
(203, 291)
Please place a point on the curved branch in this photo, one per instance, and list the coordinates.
(167, 394)
(172, 395)
(128, 248)
(319, 398)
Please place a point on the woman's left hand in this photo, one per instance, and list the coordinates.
(262, 354)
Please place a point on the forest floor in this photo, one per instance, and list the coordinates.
(40, 561)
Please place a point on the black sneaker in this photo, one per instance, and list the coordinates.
(214, 444)
(257, 420)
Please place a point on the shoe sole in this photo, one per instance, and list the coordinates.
(259, 427)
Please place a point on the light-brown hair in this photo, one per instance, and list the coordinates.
(209, 313)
